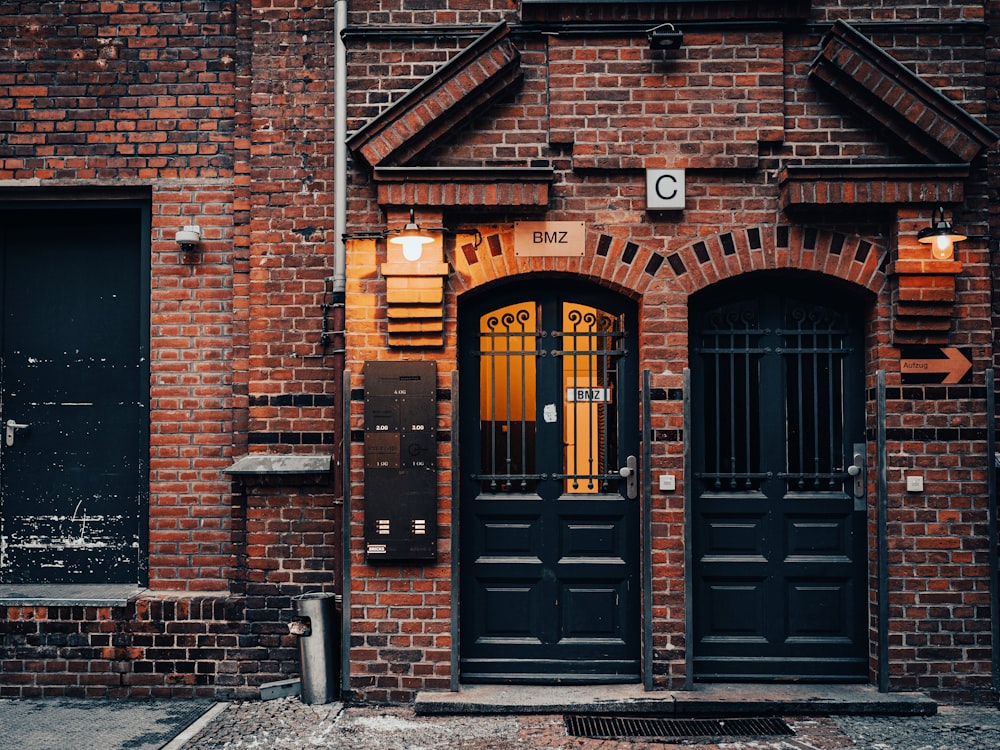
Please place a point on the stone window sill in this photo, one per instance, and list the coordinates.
(68, 594)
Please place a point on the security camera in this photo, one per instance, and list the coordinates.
(188, 237)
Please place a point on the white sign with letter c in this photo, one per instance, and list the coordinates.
(665, 189)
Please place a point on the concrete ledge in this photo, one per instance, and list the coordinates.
(704, 700)
(68, 594)
(268, 464)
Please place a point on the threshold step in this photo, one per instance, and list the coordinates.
(703, 700)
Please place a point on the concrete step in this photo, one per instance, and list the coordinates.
(729, 700)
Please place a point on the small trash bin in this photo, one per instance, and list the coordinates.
(318, 628)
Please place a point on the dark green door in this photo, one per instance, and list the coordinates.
(549, 533)
(74, 392)
(778, 532)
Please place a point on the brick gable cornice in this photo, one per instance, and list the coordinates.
(868, 184)
(522, 188)
(445, 100)
(890, 94)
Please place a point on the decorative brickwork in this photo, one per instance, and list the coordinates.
(690, 268)
(414, 289)
(866, 184)
(926, 290)
(888, 92)
(476, 190)
(443, 101)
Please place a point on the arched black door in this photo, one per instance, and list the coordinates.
(778, 527)
(549, 532)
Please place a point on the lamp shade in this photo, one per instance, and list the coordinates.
(411, 239)
(940, 236)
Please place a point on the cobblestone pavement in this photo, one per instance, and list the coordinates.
(288, 724)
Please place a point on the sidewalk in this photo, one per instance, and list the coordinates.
(288, 724)
(94, 724)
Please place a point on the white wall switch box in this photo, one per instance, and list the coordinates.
(667, 482)
(915, 484)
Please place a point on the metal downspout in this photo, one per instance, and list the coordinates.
(647, 536)
(688, 536)
(456, 533)
(338, 282)
(991, 519)
(340, 152)
(882, 519)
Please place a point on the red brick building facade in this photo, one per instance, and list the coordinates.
(702, 407)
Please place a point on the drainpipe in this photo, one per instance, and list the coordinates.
(991, 485)
(338, 283)
(340, 152)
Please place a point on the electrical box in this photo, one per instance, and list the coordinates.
(400, 461)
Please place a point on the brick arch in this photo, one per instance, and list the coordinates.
(635, 268)
(849, 257)
(621, 265)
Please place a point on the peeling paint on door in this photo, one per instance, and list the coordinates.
(74, 372)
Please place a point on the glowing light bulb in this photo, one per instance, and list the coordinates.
(943, 248)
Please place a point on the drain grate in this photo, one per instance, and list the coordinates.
(638, 727)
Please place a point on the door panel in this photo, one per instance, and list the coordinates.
(549, 543)
(778, 537)
(74, 370)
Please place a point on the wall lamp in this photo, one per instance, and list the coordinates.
(188, 238)
(665, 36)
(411, 239)
(940, 236)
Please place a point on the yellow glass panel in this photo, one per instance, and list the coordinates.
(587, 397)
(508, 340)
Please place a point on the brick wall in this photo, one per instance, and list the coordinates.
(120, 94)
(222, 112)
(285, 542)
(599, 108)
(621, 106)
(184, 648)
(287, 376)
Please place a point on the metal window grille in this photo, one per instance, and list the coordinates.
(744, 357)
(587, 350)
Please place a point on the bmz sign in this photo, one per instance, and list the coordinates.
(548, 238)
(593, 395)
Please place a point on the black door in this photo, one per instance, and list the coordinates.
(778, 533)
(74, 390)
(549, 534)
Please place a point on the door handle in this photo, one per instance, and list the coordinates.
(9, 432)
(629, 472)
(857, 472)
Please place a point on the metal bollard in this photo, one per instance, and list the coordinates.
(318, 628)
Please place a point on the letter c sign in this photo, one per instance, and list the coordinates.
(664, 189)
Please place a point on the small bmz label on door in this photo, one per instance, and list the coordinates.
(593, 395)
